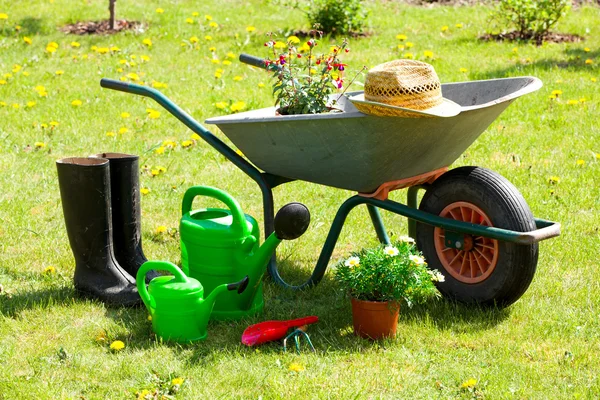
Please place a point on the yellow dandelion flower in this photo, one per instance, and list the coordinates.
(54, 124)
(122, 62)
(556, 93)
(3, 82)
(230, 55)
(160, 150)
(195, 14)
(50, 49)
(145, 58)
(3, 16)
(25, 73)
(463, 70)
(553, 180)
(159, 85)
(218, 75)
(572, 102)
(589, 61)
(401, 37)
(144, 190)
(115, 49)
(580, 162)
(221, 105)
(444, 28)
(132, 63)
(76, 103)
(593, 79)
(110, 134)
(215, 61)
(117, 345)
(189, 21)
(212, 49)
(7, 76)
(208, 38)
(119, 70)
(59, 72)
(177, 381)
(162, 170)
(27, 40)
(102, 50)
(237, 78)
(125, 115)
(194, 39)
(238, 106)
(250, 28)
(295, 367)
(408, 55)
(261, 85)
(123, 130)
(155, 172)
(160, 11)
(226, 62)
(195, 136)
(49, 269)
(186, 143)
(42, 125)
(16, 106)
(3, 104)
(31, 104)
(586, 49)
(213, 25)
(208, 17)
(468, 383)
(39, 145)
(146, 42)
(133, 76)
(459, 26)
(293, 39)
(428, 54)
(16, 68)
(154, 114)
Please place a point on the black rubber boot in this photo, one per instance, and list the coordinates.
(126, 212)
(85, 193)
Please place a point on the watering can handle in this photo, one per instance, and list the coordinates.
(239, 219)
(140, 278)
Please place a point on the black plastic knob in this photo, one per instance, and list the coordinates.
(292, 221)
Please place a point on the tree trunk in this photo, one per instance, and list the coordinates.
(111, 9)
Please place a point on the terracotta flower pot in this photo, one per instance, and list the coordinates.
(374, 319)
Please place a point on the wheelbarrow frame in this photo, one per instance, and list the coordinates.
(267, 182)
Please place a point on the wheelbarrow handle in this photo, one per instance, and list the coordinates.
(124, 87)
(252, 60)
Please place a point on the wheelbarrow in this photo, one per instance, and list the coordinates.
(472, 224)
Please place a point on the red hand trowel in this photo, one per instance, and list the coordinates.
(273, 330)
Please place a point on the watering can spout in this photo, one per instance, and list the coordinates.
(291, 222)
(206, 305)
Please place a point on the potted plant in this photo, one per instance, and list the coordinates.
(304, 79)
(379, 280)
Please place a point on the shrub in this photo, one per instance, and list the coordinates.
(337, 16)
(532, 19)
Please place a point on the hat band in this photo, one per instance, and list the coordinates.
(415, 101)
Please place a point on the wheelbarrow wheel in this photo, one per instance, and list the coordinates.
(484, 271)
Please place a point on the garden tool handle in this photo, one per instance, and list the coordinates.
(252, 60)
(240, 286)
(140, 278)
(303, 321)
(239, 219)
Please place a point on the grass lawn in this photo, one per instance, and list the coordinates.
(56, 345)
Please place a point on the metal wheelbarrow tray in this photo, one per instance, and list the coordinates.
(472, 224)
(354, 151)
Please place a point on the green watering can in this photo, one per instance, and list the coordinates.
(221, 245)
(179, 311)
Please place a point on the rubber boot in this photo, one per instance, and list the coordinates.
(85, 193)
(126, 212)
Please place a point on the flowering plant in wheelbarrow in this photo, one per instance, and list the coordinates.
(303, 78)
(379, 279)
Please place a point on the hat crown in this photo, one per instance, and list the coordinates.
(404, 83)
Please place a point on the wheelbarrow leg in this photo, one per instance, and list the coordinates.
(378, 224)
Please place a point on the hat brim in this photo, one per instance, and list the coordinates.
(447, 108)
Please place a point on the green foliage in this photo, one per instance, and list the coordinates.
(304, 80)
(337, 16)
(533, 19)
(395, 272)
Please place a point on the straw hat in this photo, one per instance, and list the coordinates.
(405, 88)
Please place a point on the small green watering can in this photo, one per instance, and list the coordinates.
(221, 245)
(179, 311)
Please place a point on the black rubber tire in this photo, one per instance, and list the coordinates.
(506, 208)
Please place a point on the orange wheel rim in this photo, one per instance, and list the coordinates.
(476, 261)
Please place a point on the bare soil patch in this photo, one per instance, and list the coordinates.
(102, 27)
(515, 36)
